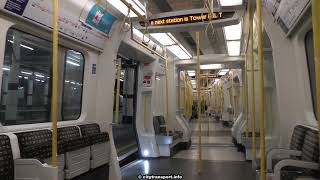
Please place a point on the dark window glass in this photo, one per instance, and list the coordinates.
(26, 75)
(26, 81)
(311, 67)
(73, 83)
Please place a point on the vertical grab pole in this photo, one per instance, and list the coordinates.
(316, 43)
(118, 92)
(199, 103)
(253, 109)
(167, 91)
(207, 101)
(246, 106)
(185, 93)
(54, 103)
(145, 122)
(261, 95)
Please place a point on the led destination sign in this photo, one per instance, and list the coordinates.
(189, 18)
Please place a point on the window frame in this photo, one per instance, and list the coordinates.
(312, 93)
(63, 82)
(70, 46)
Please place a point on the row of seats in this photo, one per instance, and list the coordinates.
(80, 148)
(302, 159)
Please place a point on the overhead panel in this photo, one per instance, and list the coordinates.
(188, 20)
(84, 22)
(287, 12)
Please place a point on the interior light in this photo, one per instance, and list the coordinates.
(22, 45)
(124, 9)
(73, 63)
(179, 52)
(139, 34)
(25, 77)
(37, 80)
(223, 72)
(192, 73)
(233, 48)
(27, 47)
(27, 73)
(211, 66)
(6, 69)
(233, 32)
(145, 153)
(230, 2)
(163, 38)
(72, 82)
(73, 59)
(39, 75)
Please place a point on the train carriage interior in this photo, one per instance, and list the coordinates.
(159, 89)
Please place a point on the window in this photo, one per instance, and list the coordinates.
(73, 79)
(26, 81)
(311, 67)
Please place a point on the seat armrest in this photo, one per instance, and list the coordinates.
(33, 169)
(293, 163)
(285, 153)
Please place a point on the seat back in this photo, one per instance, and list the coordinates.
(156, 125)
(6, 159)
(297, 138)
(162, 123)
(310, 148)
(68, 133)
(90, 129)
(93, 133)
(35, 144)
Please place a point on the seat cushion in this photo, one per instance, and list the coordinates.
(6, 159)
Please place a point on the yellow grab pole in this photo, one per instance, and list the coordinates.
(253, 109)
(145, 112)
(199, 103)
(207, 101)
(185, 93)
(54, 103)
(233, 98)
(316, 41)
(118, 92)
(246, 96)
(261, 96)
(167, 91)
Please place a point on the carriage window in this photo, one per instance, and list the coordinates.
(73, 79)
(311, 67)
(26, 81)
(25, 90)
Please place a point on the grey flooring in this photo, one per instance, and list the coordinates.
(220, 158)
(188, 169)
